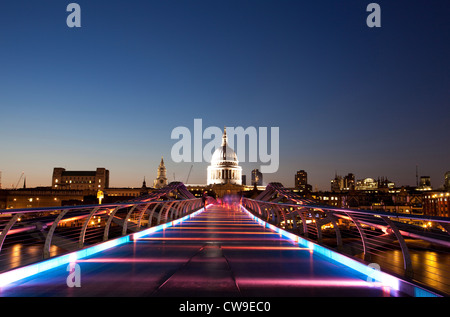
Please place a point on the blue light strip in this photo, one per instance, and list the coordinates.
(40, 267)
(382, 277)
(36, 268)
(148, 231)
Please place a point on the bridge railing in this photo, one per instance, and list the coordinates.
(35, 234)
(391, 240)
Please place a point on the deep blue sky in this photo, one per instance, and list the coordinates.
(347, 98)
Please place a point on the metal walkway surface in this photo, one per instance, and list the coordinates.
(220, 252)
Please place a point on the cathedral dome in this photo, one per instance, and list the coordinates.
(224, 156)
(224, 166)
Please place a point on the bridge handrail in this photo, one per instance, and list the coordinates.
(80, 207)
(37, 226)
(359, 211)
(307, 219)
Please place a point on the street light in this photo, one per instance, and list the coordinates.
(100, 197)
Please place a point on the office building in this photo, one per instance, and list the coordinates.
(257, 178)
(80, 180)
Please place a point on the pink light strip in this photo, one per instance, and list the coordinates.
(208, 228)
(271, 282)
(233, 232)
(133, 260)
(262, 248)
(203, 239)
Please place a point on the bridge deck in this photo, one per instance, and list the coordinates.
(220, 252)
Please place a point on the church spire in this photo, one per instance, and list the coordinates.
(224, 143)
(161, 179)
(224, 137)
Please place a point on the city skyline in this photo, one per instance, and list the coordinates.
(347, 98)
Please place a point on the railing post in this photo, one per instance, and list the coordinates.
(275, 215)
(164, 210)
(48, 239)
(150, 216)
(85, 224)
(179, 209)
(319, 232)
(283, 216)
(304, 224)
(294, 221)
(142, 214)
(171, 211)
(338, 233)
(108, 223)
(8, 226)
(405, 251)
(366, 253)
(125, 221)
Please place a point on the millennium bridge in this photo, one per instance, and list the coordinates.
(170, 243)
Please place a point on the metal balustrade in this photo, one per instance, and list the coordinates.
(35, 234)
(397, 242)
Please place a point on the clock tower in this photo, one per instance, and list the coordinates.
(161, 179)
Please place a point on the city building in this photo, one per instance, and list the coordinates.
(161, 179)
(80, 180)
(301, 181)
(424, 184)
(366, 184)
(447, 181)
(349, 182)
(41, 197)
(224, 168)
(345, 183)
(436, 203)
(257, 177)
(337, 183)
(399, 200)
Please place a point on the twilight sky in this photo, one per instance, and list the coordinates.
(346, 97)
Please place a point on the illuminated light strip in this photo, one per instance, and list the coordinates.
(262, 281)
(40, 267)
(262, 248)
(132, 260)
(233, 232)
(203, 239)
(140, 234)
(227, 224)
(230, 227)
(379, 276)
(222, 221)
(221, 217)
